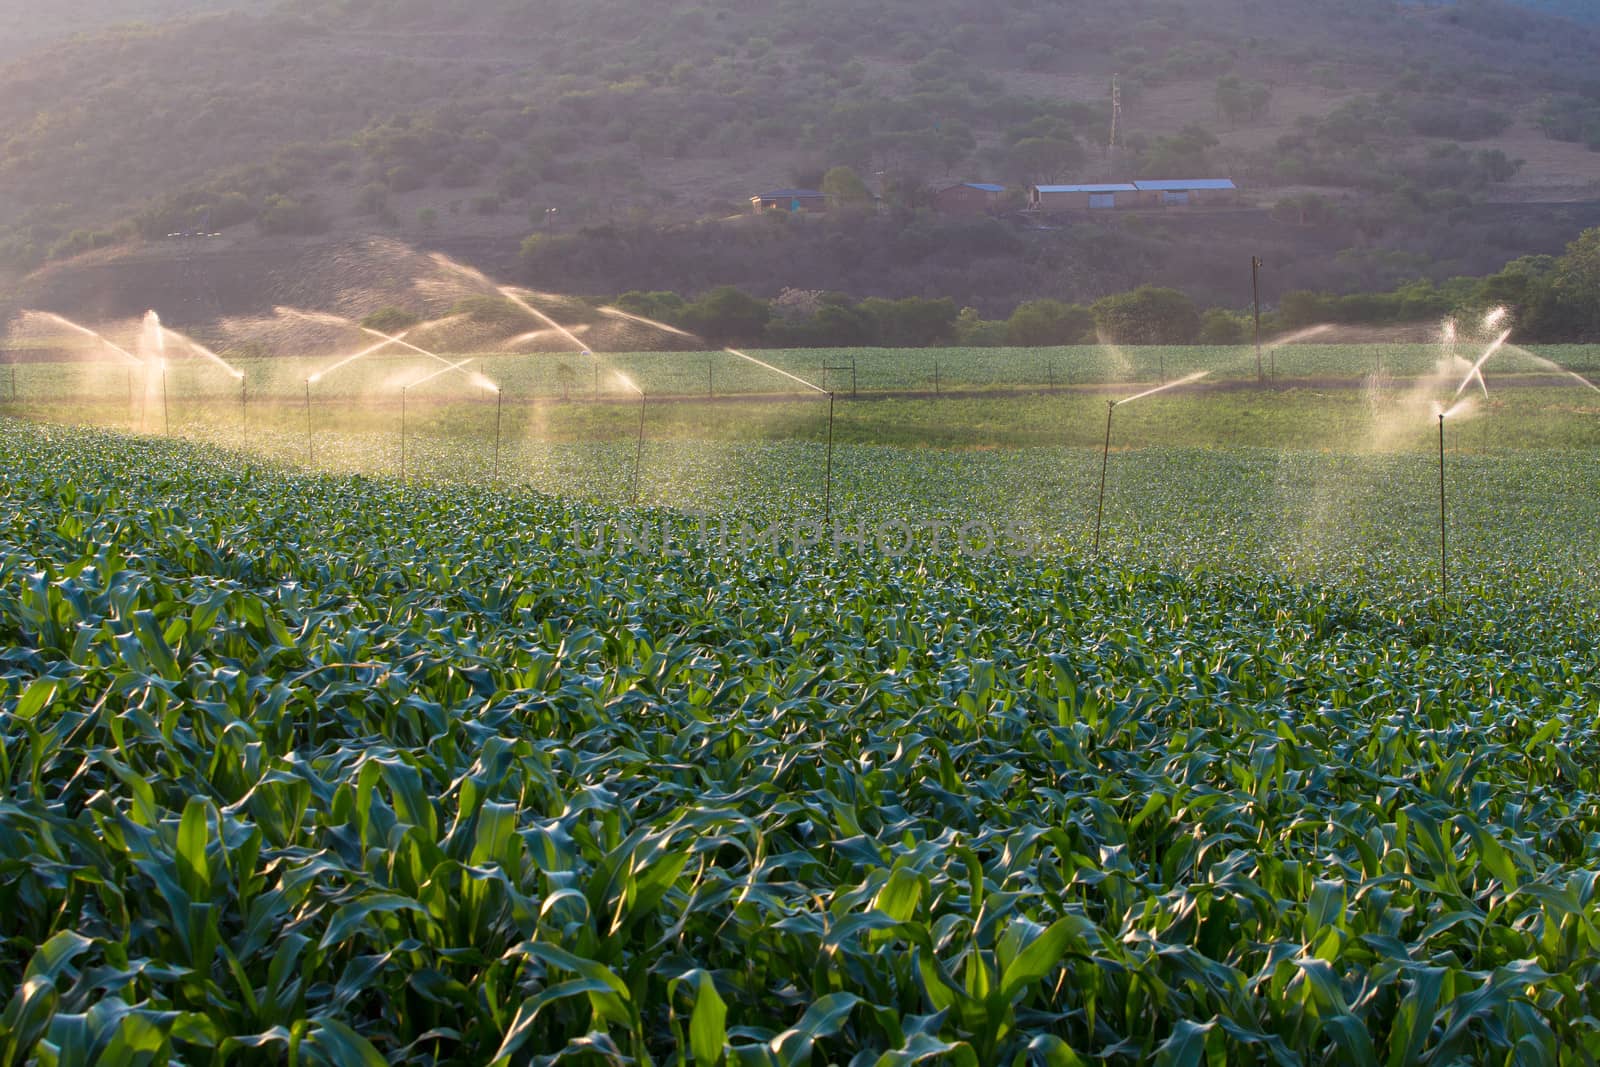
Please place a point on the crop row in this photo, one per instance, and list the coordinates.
(308, 767)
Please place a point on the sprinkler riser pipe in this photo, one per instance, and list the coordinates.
(1105, 463)
(499, 400)
(638, 449)
(1444, 556)
(827, 484)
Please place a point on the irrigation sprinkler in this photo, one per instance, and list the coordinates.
(935, 377)
(1255, 292)
(403, 389)
(1105, 455)
(827, 491)
(13, 381)
(1105, 463)
(827, 483)
(638, 448)
(244, 406)
(166, 423)
(308, 423)
(710, 391)
(1050, 370)
(1444, 555)
(499, 405)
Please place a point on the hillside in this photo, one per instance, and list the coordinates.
(30, 23)
(318, 119)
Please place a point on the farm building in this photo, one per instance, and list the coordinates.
(1186, 192)
(1054, 198)
(969, 198)
(790, 200)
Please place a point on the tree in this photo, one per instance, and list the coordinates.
(284, 214)
(660, 305)
(727, 315)
(1148, 316)
(845, 189)
(1038, 323)
(1044, 159)
(974, 331)
(911, 323)
(391, 320)
(1185, 153)
(1239, 100)
(1219, 326)
(1565, 304)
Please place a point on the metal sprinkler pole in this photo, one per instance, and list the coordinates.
(166, 424)
(1444, 558)
(827, 484)
(710, 391)
(1105, 462)
(402, 436)
(638, 448)
(244, 406)
(144, 400)
(499, 401)
(1255, 290)
(308, 423)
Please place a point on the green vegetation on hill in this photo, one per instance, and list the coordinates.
(310, 115)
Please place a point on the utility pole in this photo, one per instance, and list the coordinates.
(1255, 290)
(1116, 114)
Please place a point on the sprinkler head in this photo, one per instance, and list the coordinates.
(314, 379)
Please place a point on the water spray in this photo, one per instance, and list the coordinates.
(1105, 455)
(827, 485)
(424, 381)
(1477, 368)
(403, 343)
(511, 294)
(365, 352)
(641, 320)
(69, 324)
